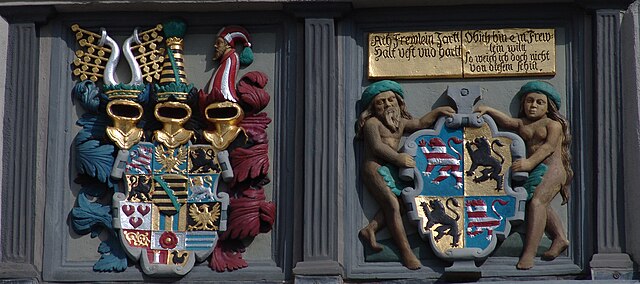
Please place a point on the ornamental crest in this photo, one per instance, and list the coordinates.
(171, 158)
(461, 196)
(169, 217)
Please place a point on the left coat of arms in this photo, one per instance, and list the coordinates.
(165, 152)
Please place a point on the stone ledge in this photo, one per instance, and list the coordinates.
(18, 271)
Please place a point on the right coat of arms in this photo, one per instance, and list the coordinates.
(461, 196)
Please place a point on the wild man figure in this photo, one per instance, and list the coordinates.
(546, 134)
(381, 125)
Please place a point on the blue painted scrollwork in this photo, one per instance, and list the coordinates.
(94, 157)
(88, 95)
(95, 218)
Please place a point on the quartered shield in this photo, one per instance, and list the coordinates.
(170, 214)
(461, 196)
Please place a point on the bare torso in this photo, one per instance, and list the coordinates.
(536, 135)
(385, 139)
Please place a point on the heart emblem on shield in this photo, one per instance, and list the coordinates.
(135, 222)
(144, 210)
(128, 210)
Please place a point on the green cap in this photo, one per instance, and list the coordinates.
(542, 88)
(379, 87)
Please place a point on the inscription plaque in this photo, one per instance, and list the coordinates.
(462, 54)
(434, 54)
(509, 52)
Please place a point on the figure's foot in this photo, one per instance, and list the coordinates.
(411, 261)
(557, 247)
(525, 263)
(369, 236)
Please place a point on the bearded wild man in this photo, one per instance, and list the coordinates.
(381, 125)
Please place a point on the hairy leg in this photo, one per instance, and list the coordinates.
(536, 219)
(556, 232)
(536, 223)
(368, 233)
(390, 206)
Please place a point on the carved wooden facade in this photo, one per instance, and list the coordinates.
(315, 55)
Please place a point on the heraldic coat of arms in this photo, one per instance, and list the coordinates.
(461, 196)
(182, 168)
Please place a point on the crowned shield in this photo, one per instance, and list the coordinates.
(167, 207)
(461, 196)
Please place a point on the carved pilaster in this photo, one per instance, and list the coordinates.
(19, 153)
(610, 262)
(630, 31)
(322, 143)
